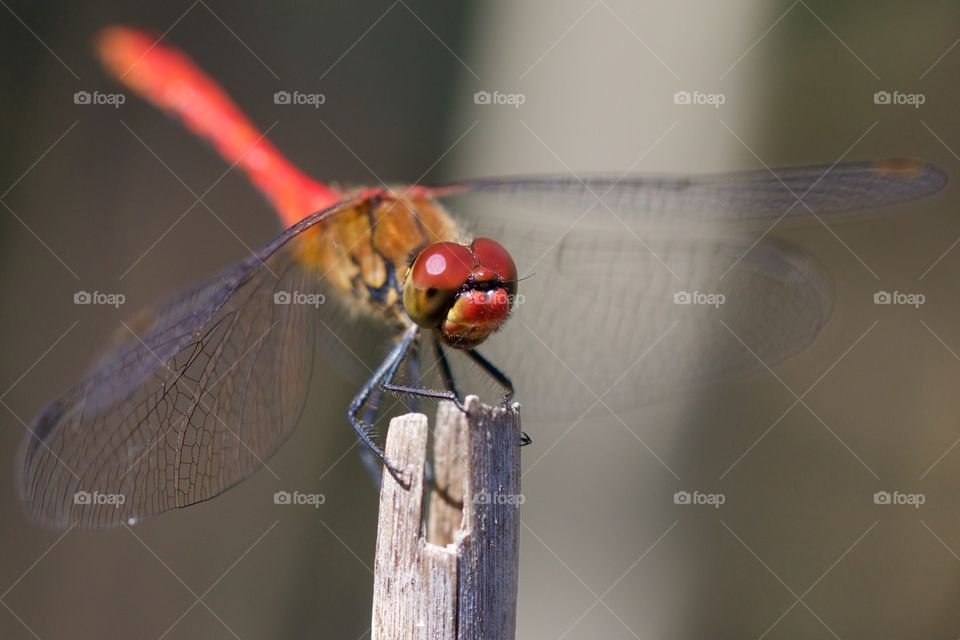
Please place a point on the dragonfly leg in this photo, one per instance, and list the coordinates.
(413, 372)
(387, 383)
(367, 457)
(445, 370)
(386, 370)
(436, 394)
(452, 392)
(494, 373)
(504, 382)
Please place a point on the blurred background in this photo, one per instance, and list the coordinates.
(799, 547)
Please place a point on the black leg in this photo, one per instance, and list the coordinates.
(367, 457)
(445, 368)
(386, 373)
(388, 384)
(413, 373)
(386, 370)
(494, 373)
(423, 393)
(504, 381)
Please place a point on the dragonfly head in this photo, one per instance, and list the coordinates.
(465, 292)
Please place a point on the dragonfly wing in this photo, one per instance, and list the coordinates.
(636, 287)
(608, 316)
(750, 195)
(196, 397)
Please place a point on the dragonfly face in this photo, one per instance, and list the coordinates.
(464, 292)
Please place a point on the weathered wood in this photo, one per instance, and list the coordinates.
(459, 580)
(414, 589)
(449, 471)
(489, 540)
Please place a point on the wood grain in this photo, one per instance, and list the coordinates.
(456, 575)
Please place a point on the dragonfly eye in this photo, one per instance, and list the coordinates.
(437, 275)
(494, 258)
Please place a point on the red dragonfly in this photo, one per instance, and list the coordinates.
(634, 293)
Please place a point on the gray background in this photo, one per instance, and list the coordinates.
(799, 549)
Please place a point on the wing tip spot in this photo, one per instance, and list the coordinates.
(900, 167)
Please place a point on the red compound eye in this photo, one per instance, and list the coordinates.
(435, 278)
(491, 256)
(443, 265)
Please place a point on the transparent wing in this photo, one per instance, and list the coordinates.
(614, 316)
(194, 398)
(661, 289)
(750, 195)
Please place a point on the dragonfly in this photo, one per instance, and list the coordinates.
(614, 290)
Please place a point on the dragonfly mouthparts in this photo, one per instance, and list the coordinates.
(482, 281)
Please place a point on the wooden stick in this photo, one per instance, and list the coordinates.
(414, 589)
(457, 576)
